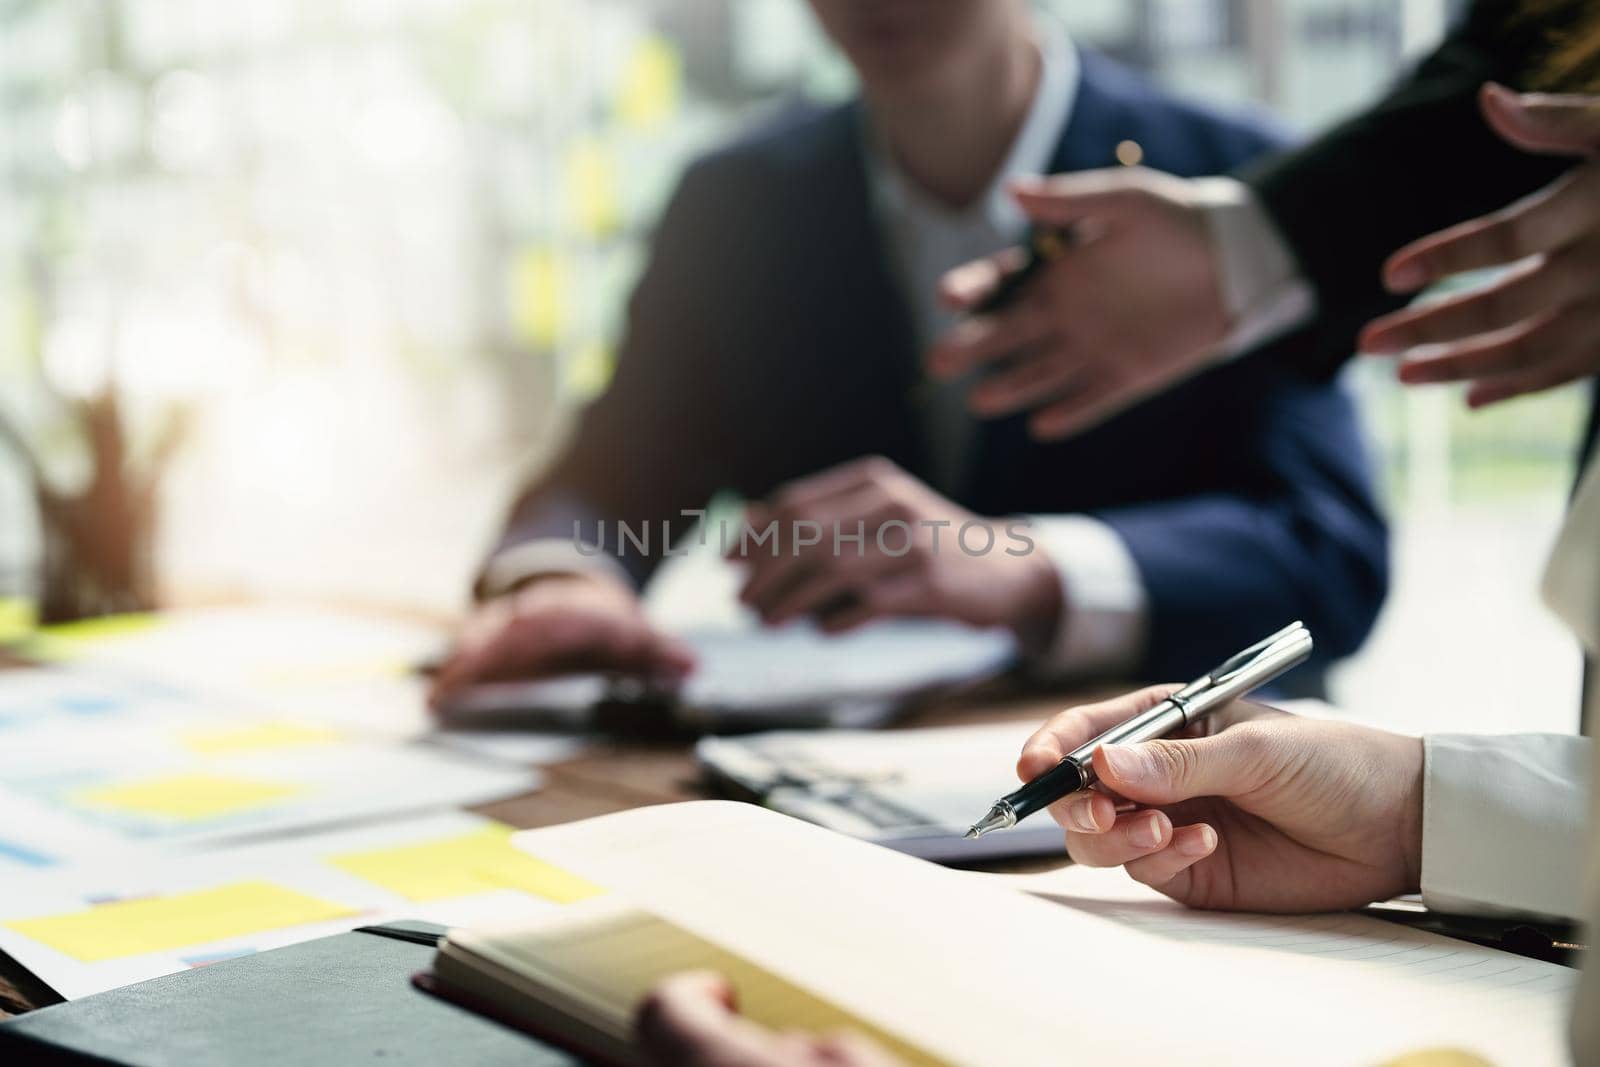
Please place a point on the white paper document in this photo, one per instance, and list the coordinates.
(87, 929)
(96, 765)
(350, 667)
(915, 791)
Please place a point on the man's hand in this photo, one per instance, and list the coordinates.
(558, 624)
(691, 1021)
(1268, 812)
(1539, 326)
(902, 551)
(1131, 306)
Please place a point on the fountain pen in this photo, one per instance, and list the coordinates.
(1042, 247)
(1255, 666)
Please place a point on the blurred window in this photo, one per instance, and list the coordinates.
(372, 252)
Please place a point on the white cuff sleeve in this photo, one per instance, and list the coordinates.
(1262, 288)
(511, 566)
(1103, 601)
(1504, 823)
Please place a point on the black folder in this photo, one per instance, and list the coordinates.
(335, 1001)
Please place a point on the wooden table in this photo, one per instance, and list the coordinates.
(615, 775)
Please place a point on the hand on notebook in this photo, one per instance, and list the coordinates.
(901, 550)
(1267, 812)
(1534, 328)
(691, 1021)
(557, 625)
(1135, 304)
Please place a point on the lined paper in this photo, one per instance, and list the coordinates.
(1343, 936)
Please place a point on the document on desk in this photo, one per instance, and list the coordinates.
(353, 668)
(976, 973)
(914, 791)
(82, 930)
(184, 803)
(95, 765)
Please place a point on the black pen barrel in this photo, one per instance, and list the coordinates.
(1063, 779)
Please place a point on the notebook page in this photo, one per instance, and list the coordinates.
(607, 955)
(1338, 936)
(984, 976)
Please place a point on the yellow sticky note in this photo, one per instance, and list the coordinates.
(69, 640)
(539, 293)
(651, 85)
(595, 208)
(478, 862)
(156, 924)
(256, 737)
(1440, 1057)
(18, 617)
(186, 796)
(587, 372)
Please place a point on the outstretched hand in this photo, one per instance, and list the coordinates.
(1539, 326)
(1130, 306)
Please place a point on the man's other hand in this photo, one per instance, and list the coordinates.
(902, 550)
(559, 624)
(1538, 326)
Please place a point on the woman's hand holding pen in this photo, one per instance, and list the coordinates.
(1266, 811)
(1539, 326)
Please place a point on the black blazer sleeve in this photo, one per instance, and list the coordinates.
(1419, 160)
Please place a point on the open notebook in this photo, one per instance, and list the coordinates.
(946, 967)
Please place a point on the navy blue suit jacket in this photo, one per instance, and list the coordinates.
(767, 340)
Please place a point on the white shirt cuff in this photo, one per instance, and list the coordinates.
(1103, 600)
(1262, 288)
(512, 566)
(1504, 823)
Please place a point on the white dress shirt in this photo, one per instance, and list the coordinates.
(1506, 819)
(1103, 624)
(1511, 824)
(1262, 289)
(1504, 823)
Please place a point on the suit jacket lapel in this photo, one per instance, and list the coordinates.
(865, 386)
(894, 363)
(1095, 126)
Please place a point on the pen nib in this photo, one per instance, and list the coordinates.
(999, 817)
